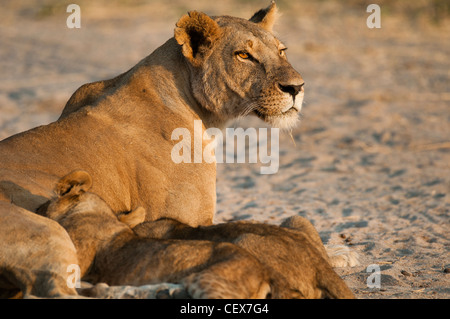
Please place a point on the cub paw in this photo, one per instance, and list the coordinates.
(342, 256)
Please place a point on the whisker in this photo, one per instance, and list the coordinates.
(248, 109)
(292, 138)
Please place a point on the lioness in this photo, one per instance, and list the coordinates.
(289, 263)
(119, 131)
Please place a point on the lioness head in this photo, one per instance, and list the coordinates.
(238, 67)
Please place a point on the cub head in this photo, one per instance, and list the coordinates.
(238, 67)
(71, 190)
(72, 197)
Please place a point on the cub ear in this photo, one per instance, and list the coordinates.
(196, 33)
(75, 183)
(267, 17)
(134, 217)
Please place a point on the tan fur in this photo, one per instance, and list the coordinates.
(109, 251)
(119, 131)
(132, 220)
(266, 17)
(293, 253)
(211, 262)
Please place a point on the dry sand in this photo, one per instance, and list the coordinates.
(370, 166)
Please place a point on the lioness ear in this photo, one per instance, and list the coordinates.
(267, 17)
(75, 183)
(196, 33)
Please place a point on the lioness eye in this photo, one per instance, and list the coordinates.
(282, 52)
(243, 55)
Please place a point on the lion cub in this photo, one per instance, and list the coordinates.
(109, 251)
(233, 260)
(293, 253)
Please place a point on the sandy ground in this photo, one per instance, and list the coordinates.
(370, 163)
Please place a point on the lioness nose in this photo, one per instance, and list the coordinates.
(291, 89)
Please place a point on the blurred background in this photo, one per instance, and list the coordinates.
(369, 164)
(42, 61)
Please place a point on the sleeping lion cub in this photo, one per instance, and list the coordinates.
(233, 260)
(109, 251)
